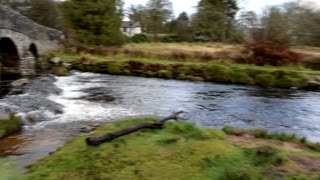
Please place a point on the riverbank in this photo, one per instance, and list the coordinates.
(212, 71)
(182, 151)
(9, 124)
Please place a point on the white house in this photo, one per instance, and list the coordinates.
(130, 28)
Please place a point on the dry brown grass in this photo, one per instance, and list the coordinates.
(181, 47)
(313, 51)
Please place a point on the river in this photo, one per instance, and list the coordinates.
(55, 109)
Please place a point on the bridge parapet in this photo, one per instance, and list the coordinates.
(13, 20)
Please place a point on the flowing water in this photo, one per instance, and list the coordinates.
(57, 108)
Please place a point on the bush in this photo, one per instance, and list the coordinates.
(139, 38)
(170, 39)
(268, 53)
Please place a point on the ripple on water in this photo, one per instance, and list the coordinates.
(88, 98)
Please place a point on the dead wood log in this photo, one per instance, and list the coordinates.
(94, 141)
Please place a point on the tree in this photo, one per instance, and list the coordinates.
(94, 22)
(158, 12)
(182, 27)
(249, 22)
(138, 14)
(302, 15)
(45, 12)
(215, 19)
(275, 26)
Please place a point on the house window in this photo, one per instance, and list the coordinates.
(124, 29)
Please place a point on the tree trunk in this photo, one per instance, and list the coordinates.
(94, 141)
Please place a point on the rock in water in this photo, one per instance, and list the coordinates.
(56, 60)
(20, 82)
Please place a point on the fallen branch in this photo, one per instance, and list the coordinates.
(94, 141)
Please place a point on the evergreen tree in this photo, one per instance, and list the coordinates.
(45, 12)
(215, 18)
(158, 13)
(94, 22)
(182, 28)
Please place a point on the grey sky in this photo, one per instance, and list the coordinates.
(189, 5)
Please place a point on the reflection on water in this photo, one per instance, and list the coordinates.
(88, 97)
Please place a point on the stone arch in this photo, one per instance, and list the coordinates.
(34, 51)
(9, 63)
(9, 55)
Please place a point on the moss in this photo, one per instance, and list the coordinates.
(242, 78)
(218, 72)
(178, 151)
(9, 125)
(267, 80)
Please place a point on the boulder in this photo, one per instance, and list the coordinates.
(56, 60)
(20, 82)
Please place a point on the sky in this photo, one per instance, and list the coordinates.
(189, 5)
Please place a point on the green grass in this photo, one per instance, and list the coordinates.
(9, 125)
(8, 170)
(267, 76)
(179, 151)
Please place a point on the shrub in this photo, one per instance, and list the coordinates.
(139, 38)
(170, 38)
(269, 53)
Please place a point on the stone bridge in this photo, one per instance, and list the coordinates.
(21, 42)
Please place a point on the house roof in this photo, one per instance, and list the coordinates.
(130, 24)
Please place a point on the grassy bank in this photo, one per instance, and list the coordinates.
(212, 71)
(8, 171)
(180, 151)
(9, 124)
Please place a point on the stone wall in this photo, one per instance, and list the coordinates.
(24, 32)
